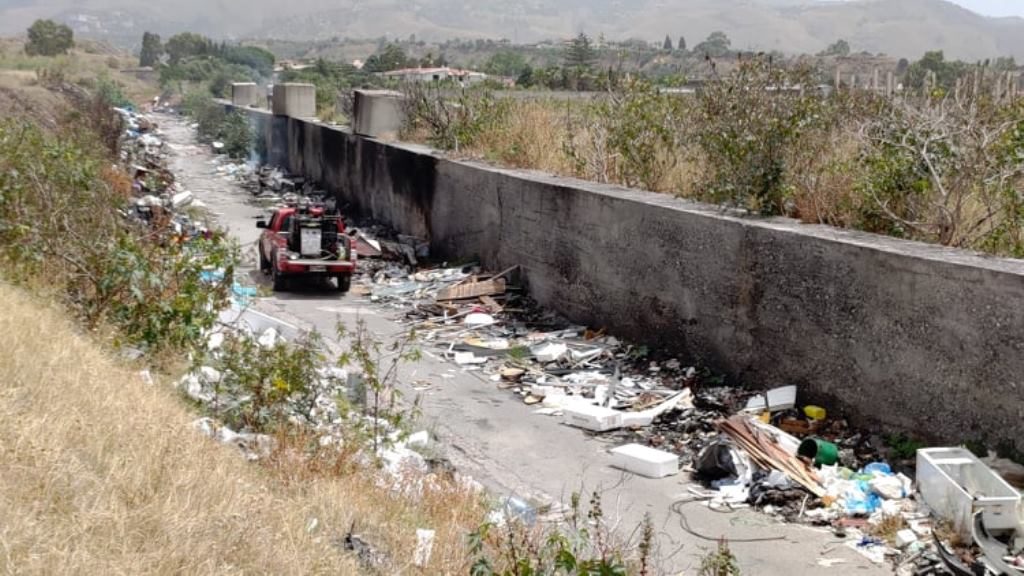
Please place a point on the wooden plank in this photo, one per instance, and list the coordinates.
(472, 290)
(491, 304)
(506, 272)
(766, 453)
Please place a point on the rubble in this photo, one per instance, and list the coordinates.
(798, 462)
(252, 446)
(794, 461)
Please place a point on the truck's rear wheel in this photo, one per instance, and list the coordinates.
(344, 283)
(264, 263)
(280, 282)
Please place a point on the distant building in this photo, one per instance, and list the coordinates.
(283, 65)
(465, 77)
(358, 64)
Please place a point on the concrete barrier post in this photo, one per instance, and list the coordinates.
(377, 113)
(295, 100)
(245, 94)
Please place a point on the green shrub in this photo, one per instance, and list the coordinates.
(641, 129)
(581, 545)
(262, 382)
(215, 123)
(453, 122)
(747, 123)
(64, 228)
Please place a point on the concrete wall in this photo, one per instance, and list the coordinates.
(910, 335)
(245, 94)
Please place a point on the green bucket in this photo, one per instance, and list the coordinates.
(821, 452)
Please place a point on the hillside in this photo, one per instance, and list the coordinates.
(104, 474)
(895, 27)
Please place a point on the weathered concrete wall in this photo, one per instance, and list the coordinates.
(295, 100)
(245, 94)
(907, 334)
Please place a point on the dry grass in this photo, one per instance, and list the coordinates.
(84, 65)
(887, 528)
(102, 474)
(22, 97)
(531, 137)
(537, 133)
(823, 184)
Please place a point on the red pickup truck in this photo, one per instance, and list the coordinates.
(306, 242)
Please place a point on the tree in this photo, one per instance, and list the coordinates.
(152, 49)
(681, 46)
(837, 48)
(391, 57)
(525, 78)
(47, 38)
(253, 57)
(667, 45)
(934, 70)
(716, 45)
(507, 63)
(186, 44)
(580, 57)
(580, 54)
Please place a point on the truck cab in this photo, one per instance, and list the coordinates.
(305, 242)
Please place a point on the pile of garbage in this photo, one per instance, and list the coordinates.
(268, 185)
(158, 200)
(484, 323)
(946, 512)
(761, 450)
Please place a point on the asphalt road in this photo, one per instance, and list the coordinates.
(494, 437)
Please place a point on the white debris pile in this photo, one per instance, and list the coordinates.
(482, 322)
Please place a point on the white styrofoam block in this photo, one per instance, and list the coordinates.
(905, 538)
(419, 439)
(593, 418)
(541, 391)
(645, 461)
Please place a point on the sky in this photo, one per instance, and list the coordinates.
(986, 7)
(994, 7)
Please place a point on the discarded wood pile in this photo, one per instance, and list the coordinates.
(764, 449)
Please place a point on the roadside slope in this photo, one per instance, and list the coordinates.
(103, 474)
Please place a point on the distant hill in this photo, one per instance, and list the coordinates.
(895, 27)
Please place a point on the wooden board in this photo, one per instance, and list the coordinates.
(472, 290)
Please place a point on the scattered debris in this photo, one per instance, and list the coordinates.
(369, 556)
(956, 485)
(424, 546)
(797, 462)
(645, 461)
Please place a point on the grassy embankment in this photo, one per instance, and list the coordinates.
(103, 473)
(23, 79)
